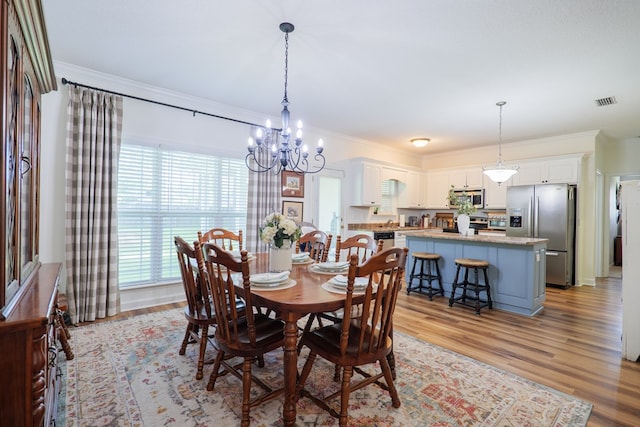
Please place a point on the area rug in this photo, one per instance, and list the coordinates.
(129, 373)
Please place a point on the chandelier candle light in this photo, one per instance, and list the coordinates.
(500, 173)
(272, 149)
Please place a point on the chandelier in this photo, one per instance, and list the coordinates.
(500, 173)
(273, 149)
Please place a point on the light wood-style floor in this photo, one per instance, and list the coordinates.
(573, 345)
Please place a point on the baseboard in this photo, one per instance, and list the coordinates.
(150, 296)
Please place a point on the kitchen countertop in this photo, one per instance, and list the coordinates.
(480, 238)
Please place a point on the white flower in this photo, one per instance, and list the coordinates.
(277, 228)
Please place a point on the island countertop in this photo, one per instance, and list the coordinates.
(480, 238)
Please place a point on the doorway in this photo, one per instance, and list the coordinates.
(329, 207)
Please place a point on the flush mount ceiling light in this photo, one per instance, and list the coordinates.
(273, 149)
(420, 142)
(500, 173)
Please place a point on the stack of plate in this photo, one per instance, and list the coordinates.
(332, 267)
(269, 280)
(340, 282)
(301, 258)
(236, 254)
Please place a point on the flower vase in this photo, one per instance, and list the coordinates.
(280, 258)
(463, 224)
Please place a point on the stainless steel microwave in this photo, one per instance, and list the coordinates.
(476, 196)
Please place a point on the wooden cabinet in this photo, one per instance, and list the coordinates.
(551, 171)
(28, 290)
(29, 371)
(438, 190)
(366, 183)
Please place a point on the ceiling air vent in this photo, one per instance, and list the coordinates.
(610, 100)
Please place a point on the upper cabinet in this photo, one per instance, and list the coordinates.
(495, 196)
(471, 178)
(366, 184)
(553, 171)
(413, 194)
(438, 190)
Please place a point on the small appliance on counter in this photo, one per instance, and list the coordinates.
(413, 221)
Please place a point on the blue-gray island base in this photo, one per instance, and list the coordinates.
(517, 271)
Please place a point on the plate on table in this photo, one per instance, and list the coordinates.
(266, 279)
(289, 283)
(236, 255)
(332, 267)
(340, 282)
(301, 258)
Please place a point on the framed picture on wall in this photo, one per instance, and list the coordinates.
(292, 210)
(292, 184)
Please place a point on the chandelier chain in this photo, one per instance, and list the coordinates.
(500, 104)
(286, 67)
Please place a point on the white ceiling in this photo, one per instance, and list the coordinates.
(378, 71)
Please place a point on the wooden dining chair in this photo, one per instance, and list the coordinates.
(361, 245)
(199, 311)
(317, 243)
(226, 239)
(248, 335)
(355, 342)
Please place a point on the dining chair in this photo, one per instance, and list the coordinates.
(362, 245)
(365, 340)
(222, 237)
(199, 311)
(248, 335)
(317, 243)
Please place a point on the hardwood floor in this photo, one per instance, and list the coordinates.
(573, 345)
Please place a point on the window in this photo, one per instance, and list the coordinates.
(389, 192)
(164, 193)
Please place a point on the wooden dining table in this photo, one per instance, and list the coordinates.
(307, 296)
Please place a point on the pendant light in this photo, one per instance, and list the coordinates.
(500, 173)
(274, 149)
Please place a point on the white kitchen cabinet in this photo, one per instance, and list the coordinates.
(552, 171)
(413, 193)
(495, 196)
(438, 190)
(366, 184)
(471, 178)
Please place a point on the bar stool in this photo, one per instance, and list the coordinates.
(428, 276)
(476, 286)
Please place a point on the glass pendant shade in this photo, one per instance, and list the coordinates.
(500, 173)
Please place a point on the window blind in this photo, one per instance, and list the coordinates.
(164, 193)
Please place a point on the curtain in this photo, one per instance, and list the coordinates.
(264, 197)
(94, 127)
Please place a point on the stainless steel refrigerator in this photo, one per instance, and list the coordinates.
(547, 211)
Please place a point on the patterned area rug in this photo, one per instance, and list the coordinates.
(129, 373)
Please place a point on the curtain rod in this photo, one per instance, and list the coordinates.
(164, 104)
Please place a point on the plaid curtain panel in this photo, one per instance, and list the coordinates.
(94, 127)
(264, 198)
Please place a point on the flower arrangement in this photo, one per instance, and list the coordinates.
(277, 228)
(465, 206)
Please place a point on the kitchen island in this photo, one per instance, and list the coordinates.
(517, 271)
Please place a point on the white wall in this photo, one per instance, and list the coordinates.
(168, 126)
(150, 122)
